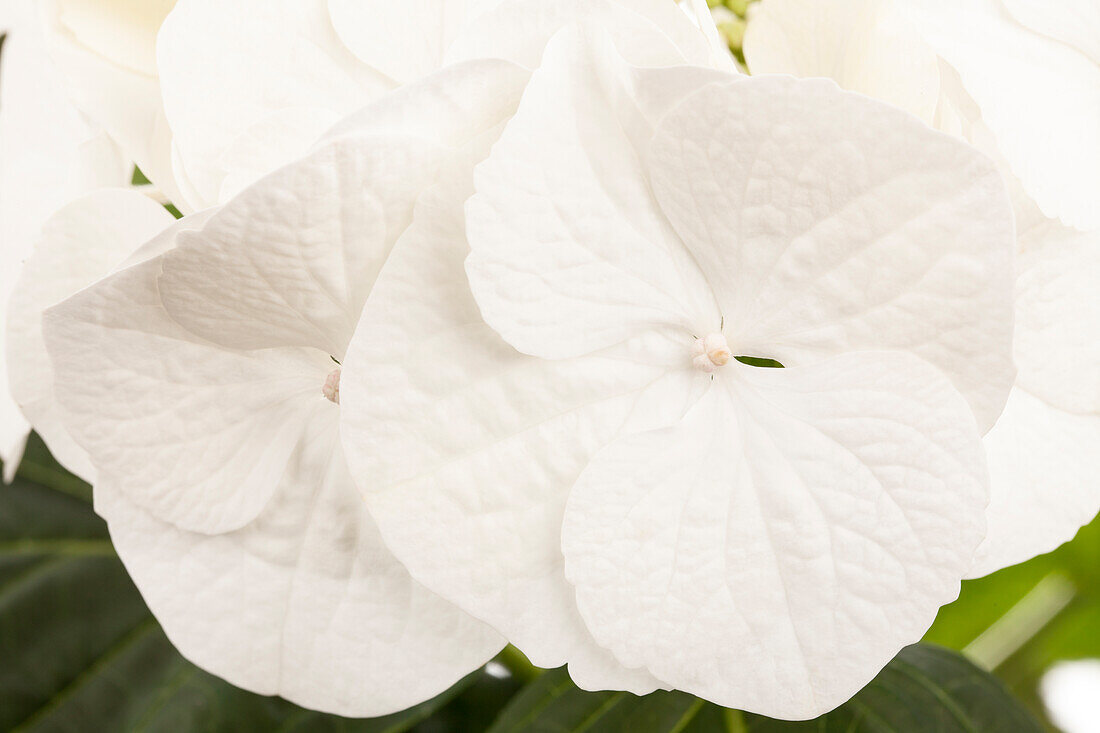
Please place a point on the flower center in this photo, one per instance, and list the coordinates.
(331, 388)
(710, 352)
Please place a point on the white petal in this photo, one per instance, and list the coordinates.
(258, 57)
(449, 107)
(1044, 452)
(467, 448)
(701, 15)
(855, 227)
(403, 40)
(570, 252)
(48, 155)
(305, 602)
(123, 100)
(83, 242)
(1043, 467)
(285, 134)
(646, 32)
(1076, 22)
(778, 547)
(122, 31)
(1041, 99)
(1058, 316)
(196, 434)
(290, 261)
(861, 45)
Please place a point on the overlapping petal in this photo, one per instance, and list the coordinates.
(49, 154)
(305, 602)
(829, 222)
(194, 379)
(327, 224)
(1040, 98)
(863, 45)
(194, 433)
(1075, 22)
(468, 443)
(1018, 80)
(406, 40)
(783, 542)
(563, 227)
(104, 51)
(646, 32)
(259, 58)
(83, 242)
(1044, 452)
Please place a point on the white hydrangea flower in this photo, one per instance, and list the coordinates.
(202, 380)
(573, 473)
(1021, 81)
(49, 154)
(271, 78)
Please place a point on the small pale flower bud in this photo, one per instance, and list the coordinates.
(711, 352)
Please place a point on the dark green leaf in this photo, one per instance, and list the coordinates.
(925, 688)
(553, 703)
(79, 651)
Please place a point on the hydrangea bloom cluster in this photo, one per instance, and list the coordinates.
(542, 322)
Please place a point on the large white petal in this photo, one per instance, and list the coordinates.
(83, 242)
(862, 45)
(1044, 452)
(1043, 467)
(646, 32)
(828, 222)
(466, 448)
(195, 433)
(304, 602)
(1041, 99)
(570, 251)
(290, 261)
(48, 155)
(778, 547)
(258, 57)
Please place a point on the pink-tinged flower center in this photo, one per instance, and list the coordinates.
(711, 352)
(331, 388)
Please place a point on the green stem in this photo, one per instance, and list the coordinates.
(734, 721)
(518, 664)
(56, 479)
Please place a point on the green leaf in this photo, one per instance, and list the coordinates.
(552, 703)
(925, 688)
(80, 650)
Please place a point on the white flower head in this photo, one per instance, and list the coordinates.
(201, 382)
(1021, 81)
(574, 472)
